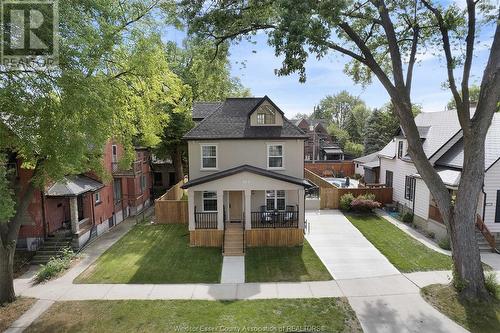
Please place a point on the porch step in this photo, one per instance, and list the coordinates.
(52, 247)
(484, 246)
(233, 240)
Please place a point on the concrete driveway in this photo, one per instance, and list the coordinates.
(346, 253)
(384, 299)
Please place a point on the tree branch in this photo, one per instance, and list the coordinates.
(471, 31)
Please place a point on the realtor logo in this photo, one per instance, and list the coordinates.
(29, 39)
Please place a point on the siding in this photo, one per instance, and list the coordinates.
(491, 186)
(233, 153)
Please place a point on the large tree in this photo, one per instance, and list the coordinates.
(113, 81)
(383, 38)
(337, 108)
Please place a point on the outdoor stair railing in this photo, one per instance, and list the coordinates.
(486, 234)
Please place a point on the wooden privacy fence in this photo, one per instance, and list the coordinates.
(172, 207)
(345, 168)
(330, 197)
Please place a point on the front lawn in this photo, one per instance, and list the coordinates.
(474, 316)
(155, 254)
(279, 264)
(403, 251)
(313, 315)
(10, 312)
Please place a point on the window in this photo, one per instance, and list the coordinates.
(400, 149)
(114, 153)
(209, 201)
(117, 190)
(158, 178)
(266, 115)
(409, 188)
(497, 212)
(275, 200)
(97, 198)
(389, 176)
(275, 156)
(209, 157)
(143, 183)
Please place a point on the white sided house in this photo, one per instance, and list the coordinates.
(441, 138)
(246, 176)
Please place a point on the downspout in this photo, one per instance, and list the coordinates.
(484, 202)
(44, 217)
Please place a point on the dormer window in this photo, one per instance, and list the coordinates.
(400, 149)
(266, 115)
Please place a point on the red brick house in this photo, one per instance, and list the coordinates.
(85, 206)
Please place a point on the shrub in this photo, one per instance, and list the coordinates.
(55, 265)
(367, 196)
(364, 205)
(490, 281)
(345, 201)
(444, 243)
(407, 217)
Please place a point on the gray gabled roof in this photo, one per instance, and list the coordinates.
(201, 110)
(367, 158)
(454, 157)
(247, 168)
(232, 121)
(71, 186)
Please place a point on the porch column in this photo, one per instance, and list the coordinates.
(190, 194)
(301, 194)
(73, 212)
(248, 209)
(220, 209)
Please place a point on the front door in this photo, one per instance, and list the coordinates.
(235, 205)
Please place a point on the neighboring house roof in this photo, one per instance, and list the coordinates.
(367, 158)
(332, 150)
(448, 176)
(247, 168)
(201, 110)
(372, 164)
(71, 186)
(454, 157)
(389, 150)
(232, 121)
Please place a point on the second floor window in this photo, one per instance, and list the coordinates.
(209, 157)
(275, 156)
(400, 149)
(266, 115)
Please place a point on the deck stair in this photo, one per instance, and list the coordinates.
(485, 239)
(52, 247)
(233, 239)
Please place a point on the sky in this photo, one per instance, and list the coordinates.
(326, 77)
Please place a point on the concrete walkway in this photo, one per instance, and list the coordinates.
(384, 299)
(233, 269)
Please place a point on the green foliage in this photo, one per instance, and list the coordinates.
(345, 201)
(407, 217)
(338, 134)
(444, 243)
(337, 108)
(367, 196)
(474, 91)
(353, 149)
(55, 266)
(7, 202)
(490, 281)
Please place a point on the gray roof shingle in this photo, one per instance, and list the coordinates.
(71, 186)
(201, 110)
(232, 121)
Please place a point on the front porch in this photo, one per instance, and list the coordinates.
(273, 217)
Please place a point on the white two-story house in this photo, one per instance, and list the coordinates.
(441, 138)
(246, 176)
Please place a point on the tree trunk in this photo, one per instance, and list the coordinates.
(177, 161)
(7, 294)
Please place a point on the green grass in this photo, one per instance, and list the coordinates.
(155, 254)
(477, 317)
(318, 315)
(278, 264)
(403, 251)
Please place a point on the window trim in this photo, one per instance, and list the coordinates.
(387, 172)
(203, 202)
(114, 153)
(97, 198)
(282, 167)
(400, 149)
(216, 156)
(410, 184)
(268, 112)
(275, 199)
